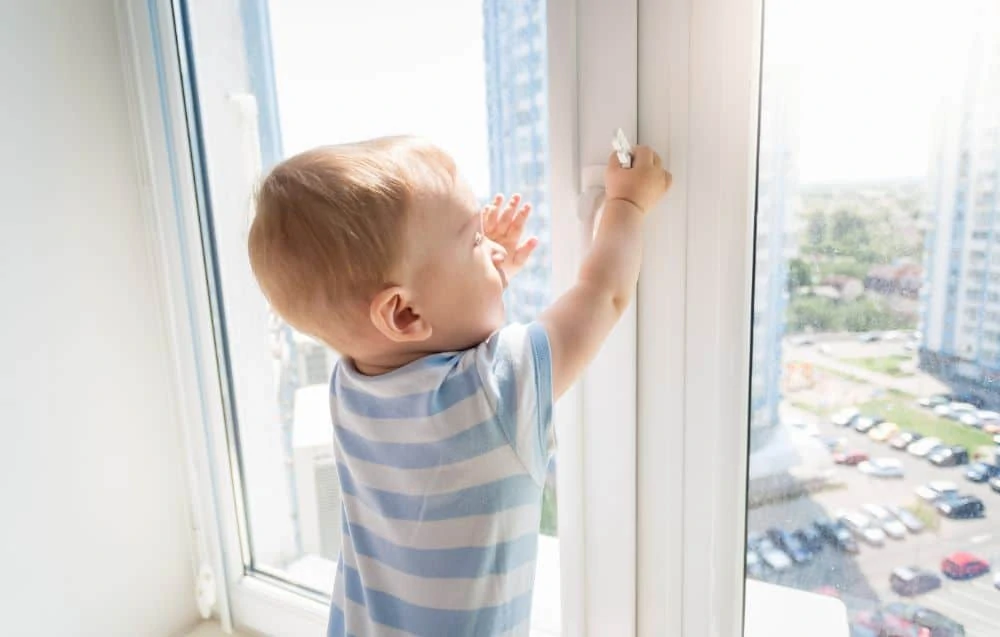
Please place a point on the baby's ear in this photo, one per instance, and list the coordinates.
(393, 315)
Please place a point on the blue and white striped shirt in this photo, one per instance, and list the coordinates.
(442, 464)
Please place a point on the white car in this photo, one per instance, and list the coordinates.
(889, 523)
(773, 556)
(979, 418)
(970, 420)
(923, 446)
(862, 527)
(934, 490)
(844, 417)
(882, 468)
(955, 410)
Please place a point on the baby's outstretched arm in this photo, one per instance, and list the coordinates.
(579, 321)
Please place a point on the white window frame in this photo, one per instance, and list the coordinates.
(596, 86)
(699, 66)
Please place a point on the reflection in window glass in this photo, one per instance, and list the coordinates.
(875, 384)
(471, 77)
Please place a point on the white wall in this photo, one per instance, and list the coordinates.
(94, 526)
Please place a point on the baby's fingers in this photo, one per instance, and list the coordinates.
(503, 223)
(520, 256)
(491, 213)
(518, 220)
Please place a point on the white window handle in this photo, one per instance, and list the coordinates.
(591, 201)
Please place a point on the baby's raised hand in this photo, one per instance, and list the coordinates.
(505, 225)
(643, 184)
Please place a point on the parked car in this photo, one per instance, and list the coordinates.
(964, 565)
(755, 566)
(982, 472)
(810, 538)
(949, 456)
(913, 580)
(836, 534)
(850, 458)
(923, 446)
(772, 557)
(902, 619)
(904, 439)
(910, 521)
(863, 528)
(978, 418)
(933, 401)
(790, 545)
(937, 489)
(883, 431)
(885, 520)
(960, 506)
(882, 468)
(995, 484)
(970, 420)
(954, 410)
(864, 423)
(869, 338)
(845, 417)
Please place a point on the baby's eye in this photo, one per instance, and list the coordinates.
(479, 238)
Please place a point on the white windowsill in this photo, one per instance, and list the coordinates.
(779, 611)
(772, 611)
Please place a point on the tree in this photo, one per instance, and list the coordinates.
(799, 275)
(816, 229)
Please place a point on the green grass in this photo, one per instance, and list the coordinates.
(885, 365)
(927, 424)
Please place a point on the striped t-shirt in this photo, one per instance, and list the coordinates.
(442, 464)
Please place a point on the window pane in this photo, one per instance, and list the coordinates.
(469, 76)
(876, 329)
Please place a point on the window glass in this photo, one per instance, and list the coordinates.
(471, 76)
(873, 468)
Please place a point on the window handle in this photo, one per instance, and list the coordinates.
(591, 200)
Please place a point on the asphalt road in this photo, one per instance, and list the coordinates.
(863, 580)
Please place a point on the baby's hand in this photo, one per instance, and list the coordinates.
(505, 228)
(643, 184)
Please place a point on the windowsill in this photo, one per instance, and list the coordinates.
(779, 611)
(212, 629)
(772, 611)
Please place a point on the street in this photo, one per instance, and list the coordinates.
(862, 581)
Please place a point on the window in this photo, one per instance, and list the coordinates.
(227, 91)
(872, 132)
(324, 83)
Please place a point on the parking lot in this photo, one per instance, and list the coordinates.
(862, 580)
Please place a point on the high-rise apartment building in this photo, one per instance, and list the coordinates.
(777, 193)
(514, 39)
(960, 299)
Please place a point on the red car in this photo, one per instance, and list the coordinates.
(964, 566)
(850, 457)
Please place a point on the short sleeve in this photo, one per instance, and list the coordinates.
(515, 364)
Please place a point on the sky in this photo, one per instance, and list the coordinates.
(870, 71)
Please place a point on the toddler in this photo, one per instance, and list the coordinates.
(442, 416)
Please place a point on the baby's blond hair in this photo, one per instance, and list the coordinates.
(329, 227)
